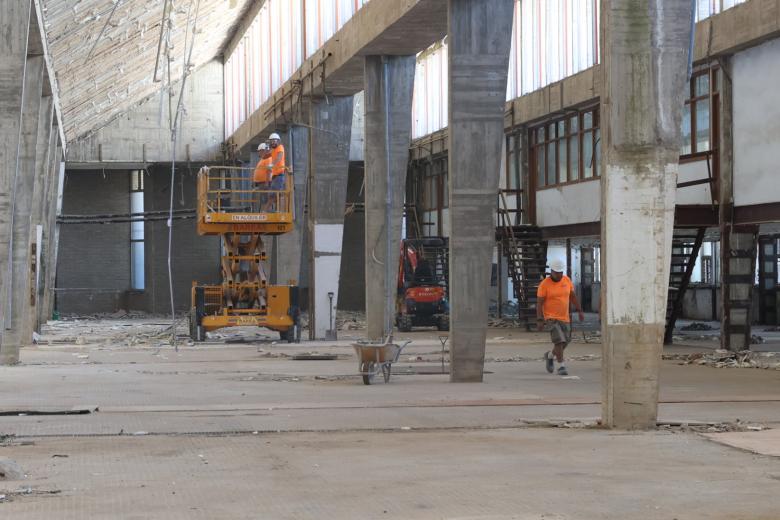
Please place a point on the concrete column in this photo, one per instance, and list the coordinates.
(331, 122)
(48, 210)
(288, 248)
(389, 84)
(645, 57)
(22, 185)
(34, 222)
(15, 21)
(54, 237)
(479, 41)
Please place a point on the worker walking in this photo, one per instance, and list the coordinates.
(262, 174)
(554, 298)
(277, 168)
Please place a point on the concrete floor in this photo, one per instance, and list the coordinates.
(243, 431)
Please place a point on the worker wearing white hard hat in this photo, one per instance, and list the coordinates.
(554, 298)
(277, 169)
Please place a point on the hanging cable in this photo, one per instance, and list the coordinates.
(186, 69)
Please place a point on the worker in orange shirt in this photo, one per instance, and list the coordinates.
(278, 169)
(554, 298)
(262, 173)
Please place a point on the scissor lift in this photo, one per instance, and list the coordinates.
(229, 205)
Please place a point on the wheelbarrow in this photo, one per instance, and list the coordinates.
(376, 357)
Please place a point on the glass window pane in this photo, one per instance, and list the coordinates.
(137, 230)
(685, 147)
(574, 124)
(562, 168)
(540, 177)
(561, 128)
(703, 126)
(540, 134)
(551, 178)
(137, 267)
(587, 120)
(597, 153)
(574, 151)
(701, 86)
(587, 155)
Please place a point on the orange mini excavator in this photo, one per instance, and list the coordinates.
(423, 282)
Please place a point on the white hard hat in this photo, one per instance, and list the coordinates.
(274, 136)
(262, 146)
(557, 265)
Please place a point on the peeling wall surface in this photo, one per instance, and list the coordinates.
(756, 124)
(569, 204)
(143, 135)
(104, 52)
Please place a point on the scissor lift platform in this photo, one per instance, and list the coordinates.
(232, 206)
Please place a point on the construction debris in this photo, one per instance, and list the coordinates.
(696, 325)
(10, 470)
(727, 359)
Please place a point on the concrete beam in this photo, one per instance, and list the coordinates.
(390, 27)
(389, 84)
(331, 129)
(645, 56)
(22, 188)
(479, 43)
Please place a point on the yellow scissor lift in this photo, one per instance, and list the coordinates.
(231, 206)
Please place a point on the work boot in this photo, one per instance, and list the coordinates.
(548, 362)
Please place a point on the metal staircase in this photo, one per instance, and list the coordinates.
(686, 244)
(526, 255)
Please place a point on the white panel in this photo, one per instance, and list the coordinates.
(697, 194)
(569, 204)
(327, 238)
(756, 125)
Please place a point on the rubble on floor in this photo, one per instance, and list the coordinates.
(521, 359)
(696, 325)
(727, 359)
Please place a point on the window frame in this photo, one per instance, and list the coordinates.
(564, 178)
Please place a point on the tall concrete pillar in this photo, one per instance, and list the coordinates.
(288, 248)
(48, 206)
(22, 186)
(15, 21)
(331, 129)
(645, 57)
(54, 237)
(479, 42)
(34, 222)
(389, 84)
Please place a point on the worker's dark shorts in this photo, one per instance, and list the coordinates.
(278, 183)
(560, 331)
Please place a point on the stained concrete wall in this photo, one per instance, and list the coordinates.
(93, 264)
(352, 294)
(94, 260)
(137, 136)
(756, 124)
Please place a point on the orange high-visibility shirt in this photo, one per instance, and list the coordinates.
(262, 170)
(277, 160)
(556, 298)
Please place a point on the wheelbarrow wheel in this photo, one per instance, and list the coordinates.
(386, 372)
(368, 372)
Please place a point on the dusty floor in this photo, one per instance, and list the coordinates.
(241, 430)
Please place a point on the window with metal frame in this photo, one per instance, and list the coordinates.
(566, 149)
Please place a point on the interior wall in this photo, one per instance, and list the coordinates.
(94, 261)
(756, 124)
(143, 135)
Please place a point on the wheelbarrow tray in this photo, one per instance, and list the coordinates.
(376, 357)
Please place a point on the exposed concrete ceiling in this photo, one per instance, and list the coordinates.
(96, 88)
